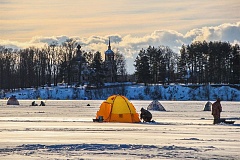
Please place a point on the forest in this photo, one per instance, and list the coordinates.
(196, 63)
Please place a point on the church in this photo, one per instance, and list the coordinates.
(110, 64)
(81, 69)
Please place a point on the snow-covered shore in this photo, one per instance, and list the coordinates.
(63, 129)
(132, 92)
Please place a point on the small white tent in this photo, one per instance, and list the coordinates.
(207, 106)
(12, 101)
(155, 106)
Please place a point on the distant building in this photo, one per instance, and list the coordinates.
(110, 65)
(81, 70)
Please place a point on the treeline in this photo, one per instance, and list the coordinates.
(34, 67)
(198, 63)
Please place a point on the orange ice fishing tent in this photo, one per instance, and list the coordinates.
(118, 108)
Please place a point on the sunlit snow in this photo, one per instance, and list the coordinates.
(63, 129)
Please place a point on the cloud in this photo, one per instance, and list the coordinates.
(130, 45)
(226, 32)
(48, 40)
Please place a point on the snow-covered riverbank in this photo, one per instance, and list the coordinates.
(132, 92)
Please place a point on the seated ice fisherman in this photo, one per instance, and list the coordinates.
(34, 104)
(42, 103)
(145, 115)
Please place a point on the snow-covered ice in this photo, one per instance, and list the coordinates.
(63, 129)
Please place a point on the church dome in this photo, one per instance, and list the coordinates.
(109, 52)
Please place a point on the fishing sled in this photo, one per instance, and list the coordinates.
(226, 121)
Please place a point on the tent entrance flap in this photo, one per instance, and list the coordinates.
(105, 110)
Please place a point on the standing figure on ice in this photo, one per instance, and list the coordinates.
(145, 115)
(216, 110)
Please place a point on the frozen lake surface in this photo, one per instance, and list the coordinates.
(64, 130)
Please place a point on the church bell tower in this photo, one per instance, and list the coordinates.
(110, 64)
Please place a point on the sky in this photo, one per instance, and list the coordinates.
(131, 24)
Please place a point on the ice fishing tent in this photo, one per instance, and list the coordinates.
(118, 108)
(155, 105)
(207, 106)
(12, 101)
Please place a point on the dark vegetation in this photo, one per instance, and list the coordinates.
(197, 63)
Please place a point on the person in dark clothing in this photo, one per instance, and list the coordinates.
(216, 110)
(42, 103)
(34, 103)
(145, 115)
